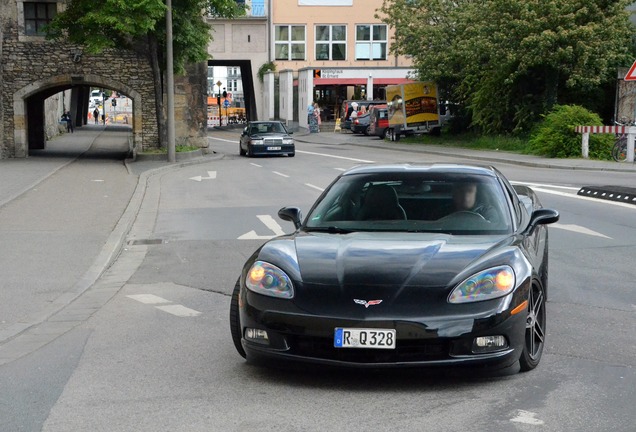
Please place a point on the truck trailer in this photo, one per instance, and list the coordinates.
(413, 109)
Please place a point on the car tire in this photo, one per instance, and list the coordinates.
(383, 134)
(291, 154)
(367, 131)
(241, 151)
(534, 337)
(235, 324)
(249, 152)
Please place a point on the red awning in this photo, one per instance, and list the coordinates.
(360, 81)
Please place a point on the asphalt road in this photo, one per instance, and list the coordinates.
(155, 352)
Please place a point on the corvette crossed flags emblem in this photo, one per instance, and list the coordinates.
(366, 304)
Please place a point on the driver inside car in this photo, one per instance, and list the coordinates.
(465, 199)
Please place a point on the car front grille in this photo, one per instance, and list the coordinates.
(405, 351)
(273, 141)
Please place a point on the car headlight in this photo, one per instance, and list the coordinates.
(288, 140)
(485, 285)
(257, 141)
(267, 279)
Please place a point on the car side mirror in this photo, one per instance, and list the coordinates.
(542, 217)
(291, 214)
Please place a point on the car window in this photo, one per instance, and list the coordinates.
(417, 202)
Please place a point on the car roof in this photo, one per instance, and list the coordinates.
(441, 168)
(265, 122)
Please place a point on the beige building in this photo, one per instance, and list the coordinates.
(335, 50)
(323, 50)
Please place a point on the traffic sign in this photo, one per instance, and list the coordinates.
(631, 75)
(226, 103)
(317, 73)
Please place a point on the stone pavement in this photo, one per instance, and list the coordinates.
(63, 226)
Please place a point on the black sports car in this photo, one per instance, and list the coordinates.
(402, 265)
(266, 138)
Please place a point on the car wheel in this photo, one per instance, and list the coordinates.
(535, 329)
(291, 154)
(249, 152)
(383, 134)
(241, 151)
(367, 131)
(235, 324)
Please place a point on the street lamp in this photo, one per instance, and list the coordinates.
(218, 102)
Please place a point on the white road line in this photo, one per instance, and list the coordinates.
(271, 223)
(314, 187)
(584, 198)
(527, 417)
(579, 229)
(179, 310)
(148, 299)
(224, 140)
(545, 185)
(340, 169)
(335, 156)
(280, 174)
(256, 165)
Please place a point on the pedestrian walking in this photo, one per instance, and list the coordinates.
(96, 115)
(311, 119)
(69, 122)
(317, 115)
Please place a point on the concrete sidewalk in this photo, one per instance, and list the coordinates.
(489, 156)
(65, 213)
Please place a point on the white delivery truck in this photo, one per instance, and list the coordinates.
(413, 108)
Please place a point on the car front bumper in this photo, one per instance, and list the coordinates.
(420, 341)
(278, 149)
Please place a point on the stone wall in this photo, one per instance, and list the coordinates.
(31, 66)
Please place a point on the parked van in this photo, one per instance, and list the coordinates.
(347, 108)
(379, 120)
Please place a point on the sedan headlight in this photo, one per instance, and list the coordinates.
(485, 285)
(257, 141)
(288, 141)
(267, 279)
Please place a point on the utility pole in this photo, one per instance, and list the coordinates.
(170, 83)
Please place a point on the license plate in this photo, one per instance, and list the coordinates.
(273, 148)
(364, 338)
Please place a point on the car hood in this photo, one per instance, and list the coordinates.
(411, 273)
(382, 259)
(270, 135)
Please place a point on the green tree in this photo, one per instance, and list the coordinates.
(140, 25)
(510, 61)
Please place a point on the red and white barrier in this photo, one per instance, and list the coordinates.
(587, 130)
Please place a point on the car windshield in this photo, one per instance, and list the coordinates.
(461, 204)
(264, 128)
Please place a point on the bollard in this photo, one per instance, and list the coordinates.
(585, 145)
(630, 144)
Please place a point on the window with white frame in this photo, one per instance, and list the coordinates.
(371, 42)
(289, 42)
(36, 16)
(331, 42)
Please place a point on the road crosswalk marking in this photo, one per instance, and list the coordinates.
(165, 305)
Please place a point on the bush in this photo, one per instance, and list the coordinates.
(555, 137)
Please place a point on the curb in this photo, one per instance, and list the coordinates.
(109, 253)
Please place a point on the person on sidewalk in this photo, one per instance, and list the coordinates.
(96, 115)
(317, 115)
(69, 122)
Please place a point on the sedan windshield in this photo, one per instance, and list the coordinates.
(265, 128)
(462, 204)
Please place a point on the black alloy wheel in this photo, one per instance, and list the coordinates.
(535, 329)
(241, 151)
(235, 324)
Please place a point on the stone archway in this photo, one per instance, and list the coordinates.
(66, 81)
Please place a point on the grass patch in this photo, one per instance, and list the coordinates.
(472, 141)
(163, 150)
